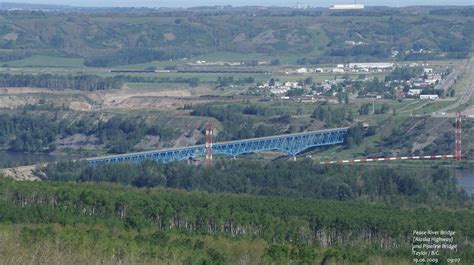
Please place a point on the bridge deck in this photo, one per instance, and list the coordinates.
(292, 144)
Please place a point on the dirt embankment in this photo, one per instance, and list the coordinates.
(420, 135)
(24, 173)
(156, 98)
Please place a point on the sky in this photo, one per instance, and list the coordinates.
(189, 3)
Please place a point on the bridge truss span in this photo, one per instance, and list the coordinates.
(290, 144)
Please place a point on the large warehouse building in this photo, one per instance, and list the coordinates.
(347, 6)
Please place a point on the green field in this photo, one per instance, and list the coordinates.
(47, 61)
(432, 106)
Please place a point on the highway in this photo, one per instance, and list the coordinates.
(466, 94)
(291, 144)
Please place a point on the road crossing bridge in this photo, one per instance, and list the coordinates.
(291, 144)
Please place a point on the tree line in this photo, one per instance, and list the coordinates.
(133, 55)
(333, 115)
(404, 73)
(242, 121)
(89, 82)
(54, 81)
(302, 178)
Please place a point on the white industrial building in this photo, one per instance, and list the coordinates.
(372, 65)
(430, 97)
(346, 6)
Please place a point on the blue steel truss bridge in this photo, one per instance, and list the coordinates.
(290, 144)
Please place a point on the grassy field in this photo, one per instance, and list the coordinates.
(47, 61)
(158, 86)
(432, 106)
(64, 65)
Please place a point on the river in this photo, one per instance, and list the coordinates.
(13, 159)
(466, 180)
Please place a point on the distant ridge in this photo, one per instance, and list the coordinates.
(27, 6)
(69, 8)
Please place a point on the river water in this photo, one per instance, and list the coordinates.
(466, 180)
(13, 159)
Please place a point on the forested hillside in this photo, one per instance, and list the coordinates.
(109, 39)
(79, 82)
(34, 130)
(304, 178)
(118, 223)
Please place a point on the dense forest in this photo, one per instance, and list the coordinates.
(35, 128)
(131, 36)
(131, 56)
(30, 131)
(123, 223)
(303, 178)
(79, 82)
(404, 73)
(87, 82)
(242, 121)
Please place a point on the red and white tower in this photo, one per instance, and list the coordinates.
(458, 137)
(209, 140)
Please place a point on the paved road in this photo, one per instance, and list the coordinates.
(449, 80)
(466, 94)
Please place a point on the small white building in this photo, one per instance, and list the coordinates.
(414, 92)
(421, 84)
(427, 70)
(429, 97)
(338, 70)
(291, 84)
(431, 81)
(303, 70)
(279, 90)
